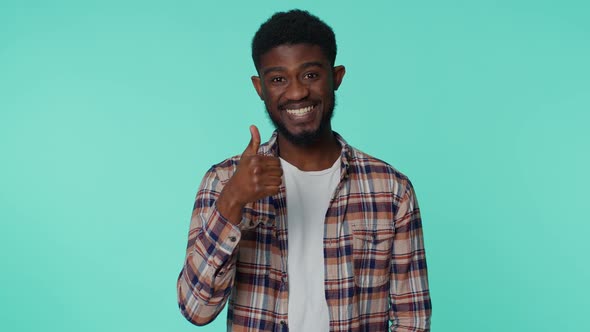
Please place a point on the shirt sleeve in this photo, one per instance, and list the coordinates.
(410, 308)
(207, 277)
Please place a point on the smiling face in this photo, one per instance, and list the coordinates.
(297, 84)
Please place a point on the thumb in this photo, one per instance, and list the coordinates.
(252, 147)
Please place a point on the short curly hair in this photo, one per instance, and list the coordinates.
(293, 27)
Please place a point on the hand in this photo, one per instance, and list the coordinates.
(255, 178)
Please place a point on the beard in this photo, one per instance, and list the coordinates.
(305, 138)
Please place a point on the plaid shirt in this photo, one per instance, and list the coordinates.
(375, 267)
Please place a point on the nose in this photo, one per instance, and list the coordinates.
(296, 90)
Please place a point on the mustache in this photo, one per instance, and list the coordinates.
(297, 104)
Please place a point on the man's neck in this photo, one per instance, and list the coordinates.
(314, 157)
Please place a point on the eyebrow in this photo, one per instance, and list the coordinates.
(312, 64)
(303, 66)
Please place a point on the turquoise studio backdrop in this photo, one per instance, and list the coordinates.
(111, 112)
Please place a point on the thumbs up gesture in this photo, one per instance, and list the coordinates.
(256, 177)
(252, 148)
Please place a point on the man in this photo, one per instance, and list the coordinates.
(304, 232)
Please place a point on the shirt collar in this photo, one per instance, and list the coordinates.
(271, 148)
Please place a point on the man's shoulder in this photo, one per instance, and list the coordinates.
(226, 168)
(365, 165)
(228, 163)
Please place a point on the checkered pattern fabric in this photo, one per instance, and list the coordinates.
(375, 266)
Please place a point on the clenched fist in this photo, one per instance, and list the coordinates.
(255, 178)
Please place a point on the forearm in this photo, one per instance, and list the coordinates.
(206, 279)
(202, 297)
(410, 307)
(410, 303)
(207, 276)
(411, 323)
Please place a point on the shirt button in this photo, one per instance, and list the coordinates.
(233, 238)
(283, 323)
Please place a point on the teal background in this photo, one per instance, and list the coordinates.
(111, 112)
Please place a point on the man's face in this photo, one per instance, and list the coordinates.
(297, 84)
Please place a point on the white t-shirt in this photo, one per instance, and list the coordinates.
(308, 199)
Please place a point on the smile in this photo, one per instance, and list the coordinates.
(300, 111)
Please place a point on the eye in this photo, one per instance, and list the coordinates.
(277, 79)
(310, 76)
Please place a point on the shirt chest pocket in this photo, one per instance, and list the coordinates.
(372, 247)
(257, 251)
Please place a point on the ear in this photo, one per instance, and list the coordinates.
(338, 75)
(257, 86)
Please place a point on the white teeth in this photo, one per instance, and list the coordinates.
(300, 111)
